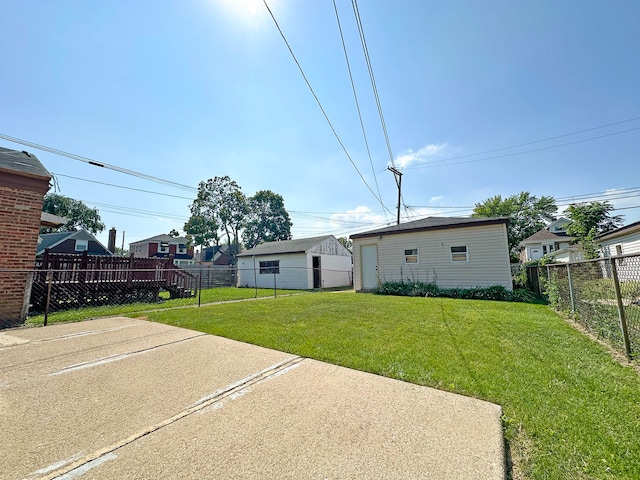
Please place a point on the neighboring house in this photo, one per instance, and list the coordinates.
(307, 263)
(217, 255)
(71, 242)
(449, 252)
(623, 241)
(23, 184)
(572, 253)
(551, 238)
(163, 246)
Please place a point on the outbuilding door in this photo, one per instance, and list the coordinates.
(317, 272)
(369, 259)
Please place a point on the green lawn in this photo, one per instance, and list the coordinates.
(211, 295)
(570, 410)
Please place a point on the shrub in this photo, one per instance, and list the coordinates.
(423, 289)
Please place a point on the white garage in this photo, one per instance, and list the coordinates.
(305, 264)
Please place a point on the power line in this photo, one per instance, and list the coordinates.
(365, 50)
(619, 194)
(95, 163)
(129, 209)
(121, 186)
(600, 194)
(355, 97)
(320, 104)
(543, 139)
(444, 162)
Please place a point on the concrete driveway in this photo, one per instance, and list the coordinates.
(120, 398)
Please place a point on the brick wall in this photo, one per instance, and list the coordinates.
(20, 212)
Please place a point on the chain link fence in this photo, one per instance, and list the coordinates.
(83, 291)
(603, 295)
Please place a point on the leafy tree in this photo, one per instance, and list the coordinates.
(589, 220)
(346, 242)
(174, 233)
(267, 220)
(220, 204)
(75, 211)
(527, 214)
(203, 230)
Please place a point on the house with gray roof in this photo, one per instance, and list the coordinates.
(77, 241)
(305, 264)
(164, 246)
(449, 252)
(550, 239)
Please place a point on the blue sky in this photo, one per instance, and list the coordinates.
(191, 89)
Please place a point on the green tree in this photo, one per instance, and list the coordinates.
(589, 220)
(267, 220)
(220, 204)
(527, 214)
(346, 242)
(203, 230)
(75, 211)
(174, 233)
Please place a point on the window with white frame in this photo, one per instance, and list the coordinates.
(163, 247)
(411, 255)
(459, 253)
(182, 248)
(82, 245)
(270, 266)
(618, 249)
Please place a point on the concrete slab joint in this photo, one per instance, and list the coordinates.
(126, 398)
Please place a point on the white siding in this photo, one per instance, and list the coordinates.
(330, 246)
(336, 270)
(630, 244)
(293, 272)
(486, 245)
(144, 249)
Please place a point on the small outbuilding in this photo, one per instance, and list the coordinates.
(306, 263)
(449, 252)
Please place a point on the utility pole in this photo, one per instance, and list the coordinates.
(397, 174)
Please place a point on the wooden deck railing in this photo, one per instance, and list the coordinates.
(98, 270)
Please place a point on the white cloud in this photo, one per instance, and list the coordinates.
(436, 199)
(410, 157)
(358, 217)
(416, 213)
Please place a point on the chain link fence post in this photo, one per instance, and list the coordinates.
(621, 312)
(46, 305)
(571, 292)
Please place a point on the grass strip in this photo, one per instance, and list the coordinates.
(211, 295)
(570, 410)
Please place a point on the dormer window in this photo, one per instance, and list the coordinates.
(182, 248)
(82, 245)
(164, 247)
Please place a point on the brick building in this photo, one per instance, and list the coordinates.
(23, 184)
